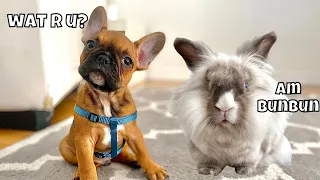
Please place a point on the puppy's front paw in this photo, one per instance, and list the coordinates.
(76, 175)
(244, 170)
(155, 172)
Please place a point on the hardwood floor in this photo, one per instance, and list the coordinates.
(8, 136)
(310, 90)
(65, 110)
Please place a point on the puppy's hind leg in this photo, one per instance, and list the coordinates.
(66, 152)
(68, 155)
(205, 163)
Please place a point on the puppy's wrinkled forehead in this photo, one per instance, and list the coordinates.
(115, 41)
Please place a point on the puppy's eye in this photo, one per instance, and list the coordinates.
(91, 44)
(127, 61)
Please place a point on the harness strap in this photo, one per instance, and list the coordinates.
(113, 122)
(114, 138)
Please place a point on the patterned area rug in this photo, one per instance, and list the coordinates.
(38, 157)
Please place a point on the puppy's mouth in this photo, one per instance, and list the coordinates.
(100, 70)
(97, 78)
(100, 82)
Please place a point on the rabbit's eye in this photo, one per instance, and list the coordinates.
(245, 85)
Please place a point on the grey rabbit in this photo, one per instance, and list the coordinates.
(217, 107)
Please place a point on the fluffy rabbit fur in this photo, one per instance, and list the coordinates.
(217, 107)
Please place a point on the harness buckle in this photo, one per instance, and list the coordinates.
(93, 117)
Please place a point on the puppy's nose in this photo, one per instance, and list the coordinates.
(103, 59)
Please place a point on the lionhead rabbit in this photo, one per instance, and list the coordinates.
(217, 107)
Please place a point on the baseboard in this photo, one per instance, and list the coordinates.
(25, 120)
(32, 120)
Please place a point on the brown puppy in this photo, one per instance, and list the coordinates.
(107, 63)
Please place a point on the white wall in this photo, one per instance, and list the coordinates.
(135, 27)
(21, 80)
(296, 55)
(61, 47)
(225, 24)
(197, 20)
(37, 63)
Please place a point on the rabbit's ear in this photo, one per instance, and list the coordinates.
(259, 46)
(191, 51)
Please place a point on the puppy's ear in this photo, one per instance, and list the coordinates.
(191, 51)
(259, 46)
(97, 22)
(148, 48)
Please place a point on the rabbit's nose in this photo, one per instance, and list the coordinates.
(224, 110)
(225, 102)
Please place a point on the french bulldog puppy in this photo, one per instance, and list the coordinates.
(107, 63)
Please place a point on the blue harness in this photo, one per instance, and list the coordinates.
(112, 122)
